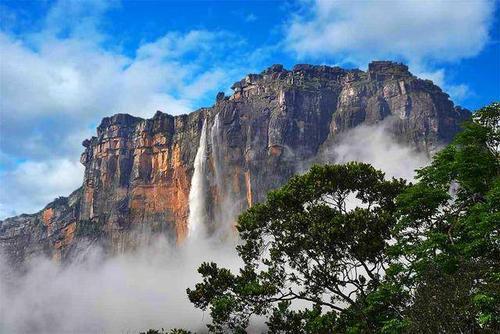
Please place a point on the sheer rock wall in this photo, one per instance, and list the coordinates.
(275, 124)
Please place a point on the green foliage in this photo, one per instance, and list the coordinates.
(162, 331)
(305, 244)
(314, 320)
(448, 241)
(423, 258)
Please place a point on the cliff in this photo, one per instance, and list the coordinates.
(139, 172)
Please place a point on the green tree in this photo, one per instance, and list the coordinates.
(162, 331)
(320, 240)
(448, 235)
(417, 259)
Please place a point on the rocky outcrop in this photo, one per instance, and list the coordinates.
(138, 171)
(49, 232)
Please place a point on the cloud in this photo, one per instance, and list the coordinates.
(76, 82)
(251, 17)
(57, 82)
(34, 184)
(457, 92)
(77, 18)
(424, 34)
(414, 30)
(127, 293)
(374, 145)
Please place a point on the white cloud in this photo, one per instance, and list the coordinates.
(251, 17)
(425, 34)
(129, 293)
(80, 19)
(32, 184)
(174, 45)
(59, 79)
(374, 145)
(414, 30)
(75, 83)
(457, 92)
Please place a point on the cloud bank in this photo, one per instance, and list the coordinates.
(124, 294)
(360, 31)
(424, 34)
(374, 145)
(35, 184)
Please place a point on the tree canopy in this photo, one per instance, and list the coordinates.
(306, 244)
(448, 242)
(342, 249)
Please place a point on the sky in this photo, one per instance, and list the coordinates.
(64, 65)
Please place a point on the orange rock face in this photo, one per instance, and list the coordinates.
(47, 216)
(68, 235)
(139, 171)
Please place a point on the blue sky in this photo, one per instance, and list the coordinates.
(67, 64)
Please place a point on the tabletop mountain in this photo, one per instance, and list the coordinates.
(159, 175)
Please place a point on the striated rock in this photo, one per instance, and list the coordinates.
(138, 171)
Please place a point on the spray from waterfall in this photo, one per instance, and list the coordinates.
(197, 193)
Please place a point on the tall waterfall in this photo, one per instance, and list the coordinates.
(226, 206)
(197, 193)
(215, 142)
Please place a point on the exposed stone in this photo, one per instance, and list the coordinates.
(220, 97)
(138, 171)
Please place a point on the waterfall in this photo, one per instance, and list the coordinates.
(197, 193)
(215, 142)
(227, 205)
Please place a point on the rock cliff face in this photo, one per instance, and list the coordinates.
(139, 172)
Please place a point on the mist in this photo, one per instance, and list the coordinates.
(133, 292)
(123, 294)
(374, 145)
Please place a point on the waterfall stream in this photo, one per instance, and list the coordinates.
(227, 205)
(215, 142)
(197, 193)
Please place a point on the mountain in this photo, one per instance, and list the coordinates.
(184, 174)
